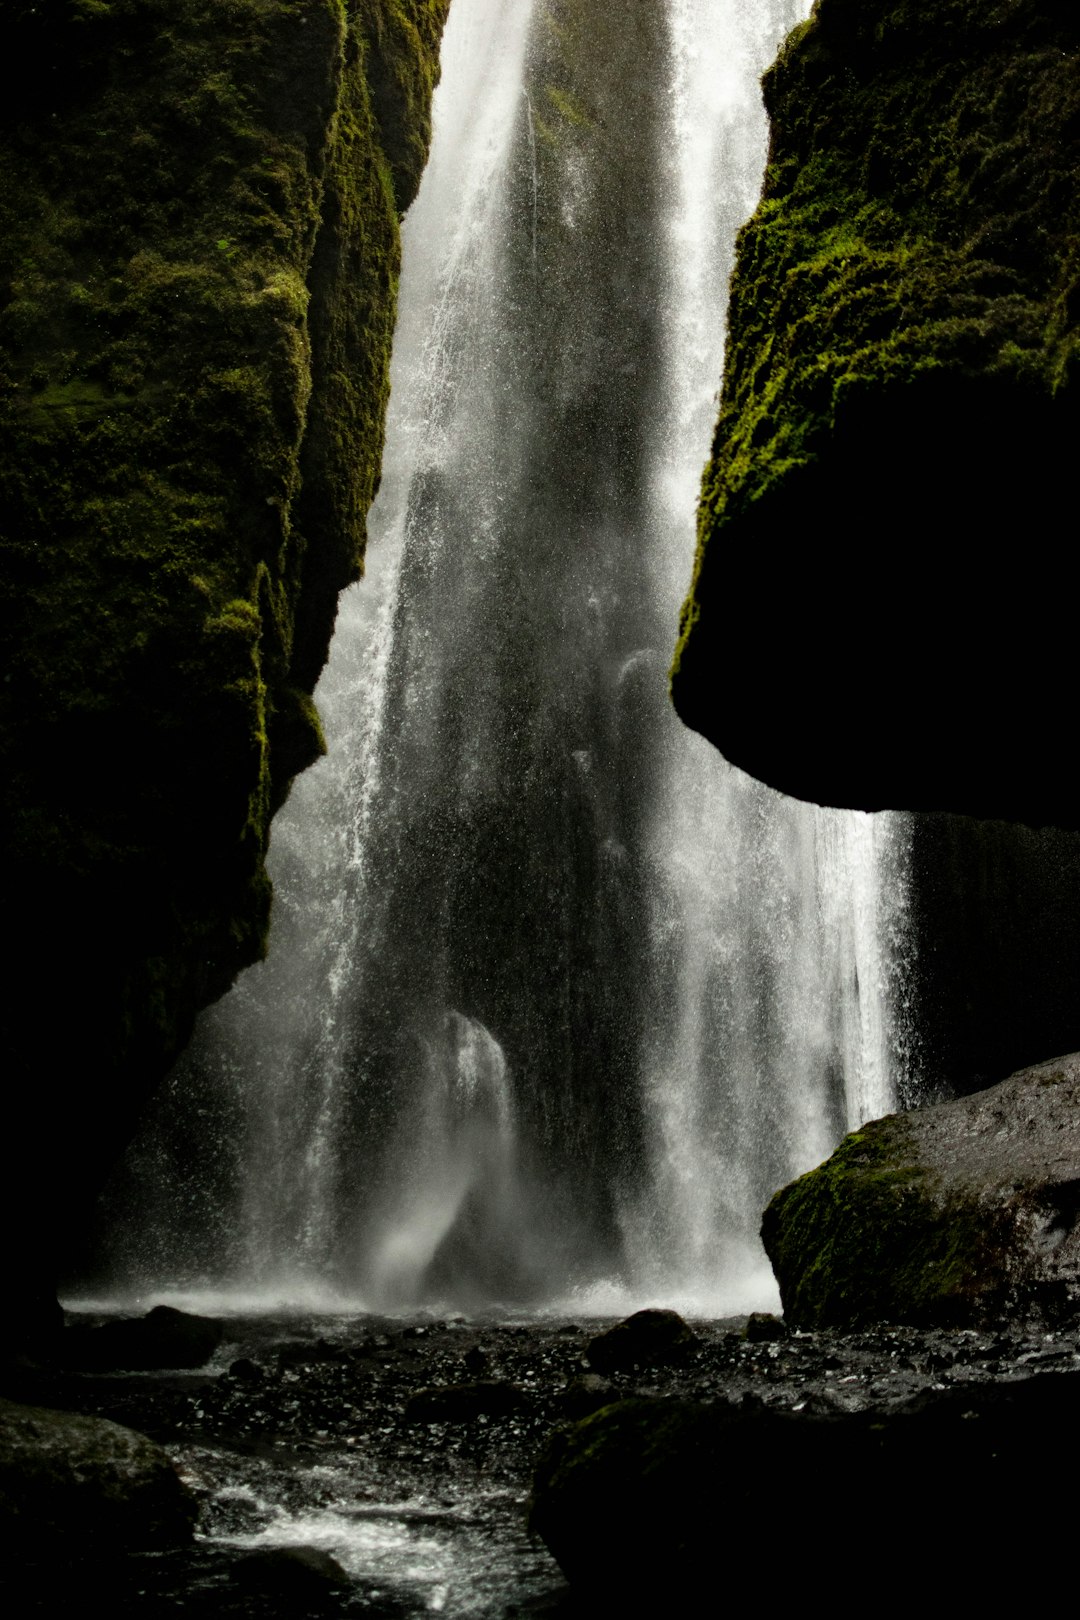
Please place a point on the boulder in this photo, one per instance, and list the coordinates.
(300, 1574)
(899, 396)
(646, 1337)
(84, 1483)
(164, 1337)
(641, 1499)
(954, 1214)
(587, 1394)
(764, 1328)
(461, 1403)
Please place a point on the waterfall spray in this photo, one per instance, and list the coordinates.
(556, 999)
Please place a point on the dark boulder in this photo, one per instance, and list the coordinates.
(298, 1574)
(587, 1394)
(461, 1403)
(764, 1328)
(164, 1337)
(899, 399)
(646, 1337)
(634, 1501)
(954, 1214)
(85, 1483)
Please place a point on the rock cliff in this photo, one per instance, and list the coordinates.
(199, 207)
(879, 615)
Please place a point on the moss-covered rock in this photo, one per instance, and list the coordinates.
(879, 615)
(199, 207)
(70, 1482)
(954, 1214)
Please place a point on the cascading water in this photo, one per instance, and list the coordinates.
(556, 999)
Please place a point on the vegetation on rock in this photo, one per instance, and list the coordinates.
(68, 1481)
(199, 204)
(959, 1213)
(899, 398)
(632, 1500)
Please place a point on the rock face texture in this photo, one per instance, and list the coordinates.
(955, 1214)
(878, 615)
(199, 209)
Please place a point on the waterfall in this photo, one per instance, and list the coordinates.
(556, 999)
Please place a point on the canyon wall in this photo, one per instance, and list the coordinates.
(899, 405)
(199, 207)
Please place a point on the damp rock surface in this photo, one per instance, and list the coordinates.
(164, 1337)
(958, 1213)
(643, 1339)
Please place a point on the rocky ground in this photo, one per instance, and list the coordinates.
(368, 1466)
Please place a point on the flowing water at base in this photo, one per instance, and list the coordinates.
(305, 1433)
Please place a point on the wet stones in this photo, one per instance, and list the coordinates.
(462, 1403)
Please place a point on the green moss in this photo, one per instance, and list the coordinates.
(912, 266)
(199, 209)
(867, 1237)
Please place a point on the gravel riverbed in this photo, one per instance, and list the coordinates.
(404, 1450)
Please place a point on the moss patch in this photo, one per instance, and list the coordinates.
(868, 1237)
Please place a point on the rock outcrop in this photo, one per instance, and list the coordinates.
(879, 614)
(956, 1214)
(635, 1501)
(199, 209)
(72, 1484)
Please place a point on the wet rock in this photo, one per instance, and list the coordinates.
(641, 1340)
(476, 1360)
(460, 1403)
(631, 1499)
(960, 1213)
(246, 1371)
(587, 1394)
(165, 1337)
(296, 1573)
(86, 1481)
(764, 1328)
(925, 134)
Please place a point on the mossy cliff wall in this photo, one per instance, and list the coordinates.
(881, 614)
(199, 206)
